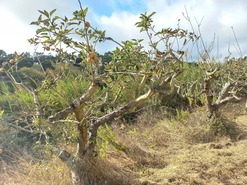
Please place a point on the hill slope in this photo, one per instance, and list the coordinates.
(155, 151)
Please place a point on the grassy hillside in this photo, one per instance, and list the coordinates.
(155, 149)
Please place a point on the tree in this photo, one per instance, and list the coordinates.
(3, 56)
(219, 82)
(104, 98)
(25, 62)
(232, 86)
(3, 53)
(107, 57)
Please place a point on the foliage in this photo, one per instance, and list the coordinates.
(108, 137)
(191, 80)
(25, 62)
(30, 76)
(221, 126)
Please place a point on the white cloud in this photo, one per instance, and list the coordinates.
(15, 19)
(119, 26)
(218, 17)
(27, 10)
(14, 33)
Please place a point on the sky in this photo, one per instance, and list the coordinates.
(118, 18)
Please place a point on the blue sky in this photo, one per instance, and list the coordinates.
(107, 7)
(118, 17)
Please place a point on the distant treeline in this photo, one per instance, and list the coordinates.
(46, 60)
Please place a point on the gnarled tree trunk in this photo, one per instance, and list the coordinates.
(87, 130)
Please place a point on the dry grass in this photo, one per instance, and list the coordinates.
(189, 151)
(159, 152)
(26, 170)
(212, 163)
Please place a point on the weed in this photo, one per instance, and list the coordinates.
(108, 137)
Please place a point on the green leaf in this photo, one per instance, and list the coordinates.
(55, 18)
(44, 33)
(52, 12)
(185, 41)
(40, 18)
(152, 14)
(34, 23)
(72, 23)
(65, 19)
(142, 29)
(38, 31)
(113, 78)
(44, 13)
(1, 113)
(47, 41)
(85, 11)
(41, 12)
(80, 13)
(45, 36)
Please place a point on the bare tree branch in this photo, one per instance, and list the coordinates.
(76, 104)
(224, 91)
(125, 108)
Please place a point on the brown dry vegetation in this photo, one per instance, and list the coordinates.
(158, 151)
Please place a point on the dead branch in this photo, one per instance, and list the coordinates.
(20, 84)
(23, 128)
(223, 93)
(133, 103)
(125, 108)
(60, 115)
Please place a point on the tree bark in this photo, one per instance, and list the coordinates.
(74, 164)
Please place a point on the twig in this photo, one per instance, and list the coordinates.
(239, 49)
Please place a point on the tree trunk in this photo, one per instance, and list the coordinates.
(78, 166)
(209, 98)
(79, 173)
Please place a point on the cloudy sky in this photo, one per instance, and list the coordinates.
(118, 17)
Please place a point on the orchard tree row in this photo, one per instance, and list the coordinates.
(80, 93)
